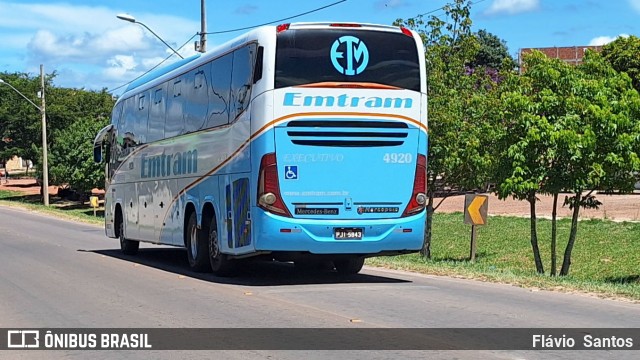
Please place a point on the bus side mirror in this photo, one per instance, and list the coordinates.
(97, 154)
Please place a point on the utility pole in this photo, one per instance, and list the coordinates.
(203, 28)
(45, 167)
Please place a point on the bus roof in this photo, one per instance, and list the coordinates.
(354, 25)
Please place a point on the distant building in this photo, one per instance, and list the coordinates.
(570, 54)
(17, 164)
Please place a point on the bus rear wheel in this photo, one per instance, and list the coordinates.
(220, 263)
(128, 247)
(350, 265)
(196, 244)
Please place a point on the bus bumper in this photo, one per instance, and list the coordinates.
(277, 233)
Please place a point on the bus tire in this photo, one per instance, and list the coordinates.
(128, 247)
(196, 243)
(220, 263)
(350, 265)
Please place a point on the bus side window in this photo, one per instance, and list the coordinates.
(196, 91)
(174, 123)
(141, 119)
(108, 155)
(157, 114)
(257, 72)
(242, 79)
(219, 91)
(126, 128)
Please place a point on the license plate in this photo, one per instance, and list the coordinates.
(347, 233)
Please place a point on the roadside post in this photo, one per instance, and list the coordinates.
(93, 200)
(475, 214)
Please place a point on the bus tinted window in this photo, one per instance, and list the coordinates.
(157, 114)
(307, 56)
(220, 85)
(174, 120)
(197, 93)
(140, 119)
(242, 79)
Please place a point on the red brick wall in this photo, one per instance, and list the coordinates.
(570, 54)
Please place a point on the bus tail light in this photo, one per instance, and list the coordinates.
(282, 27)
(269, 188)
(345, 25)
(406, 31)
(418, 197)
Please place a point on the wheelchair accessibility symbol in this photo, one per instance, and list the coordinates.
(291, 172)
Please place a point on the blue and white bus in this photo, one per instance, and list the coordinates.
(300, 142)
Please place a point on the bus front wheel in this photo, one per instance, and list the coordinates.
(196, 244)
(128, 247)
(221, 265)
(349, 266)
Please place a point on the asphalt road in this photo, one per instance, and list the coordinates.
(59, 274)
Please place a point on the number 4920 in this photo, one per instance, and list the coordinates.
(397, 158)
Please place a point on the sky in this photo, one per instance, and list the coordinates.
(88, 47)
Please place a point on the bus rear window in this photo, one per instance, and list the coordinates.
(308, 56)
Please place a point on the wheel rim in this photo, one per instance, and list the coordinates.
(121, 227)
(193, 241)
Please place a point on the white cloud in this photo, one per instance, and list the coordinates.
(87, 43)
(512, 6)
(124, 39)
(148, 63)
(121, 63)
(603, 40)
(635, 4)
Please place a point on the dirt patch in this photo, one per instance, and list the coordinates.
(26, 186)
(614, 207)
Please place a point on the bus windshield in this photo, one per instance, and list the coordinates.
(302, 57)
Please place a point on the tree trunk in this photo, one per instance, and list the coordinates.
(566, 263)
(426, 244)
(534, 234)
(554, 234)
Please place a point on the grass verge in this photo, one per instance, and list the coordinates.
(605, 259)
(71, 210)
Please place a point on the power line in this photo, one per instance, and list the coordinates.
(277, 21)
(442, 7)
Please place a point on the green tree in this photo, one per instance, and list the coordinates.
(20, 121)
(72, 156)
(600, 148)
(624, 55)
(493, 52)
(73, 118)
(460, 107)
(569, 129)
(522, 167)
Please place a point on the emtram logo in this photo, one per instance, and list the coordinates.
(356, 58)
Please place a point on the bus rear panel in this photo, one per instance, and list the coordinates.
(342, 171)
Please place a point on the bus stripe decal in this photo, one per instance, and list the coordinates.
(266, 128)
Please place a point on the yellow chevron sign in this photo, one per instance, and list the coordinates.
(475, 209)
